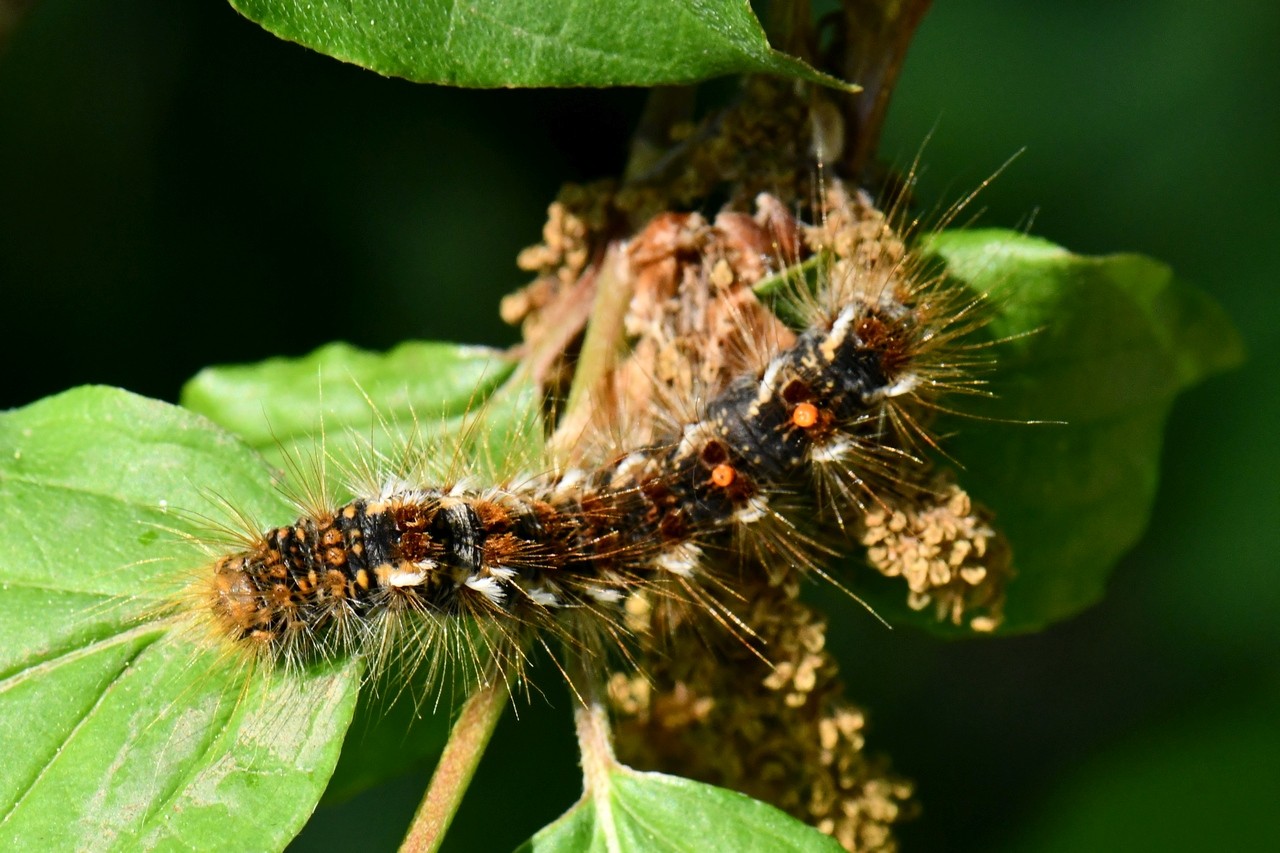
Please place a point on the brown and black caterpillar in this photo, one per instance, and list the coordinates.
(809, 434)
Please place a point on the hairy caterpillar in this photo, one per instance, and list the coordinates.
(800, 432)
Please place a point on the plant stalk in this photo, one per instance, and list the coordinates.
(599, 352)
(595, 742)
(467, 741)
(874, 38)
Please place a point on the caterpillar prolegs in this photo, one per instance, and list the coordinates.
(788, 446)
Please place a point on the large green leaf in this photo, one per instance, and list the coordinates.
(494, 43)
(118, 730)
(668, 814)
(1095, 350)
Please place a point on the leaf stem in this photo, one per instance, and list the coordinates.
(595, 743)
(595, 737)
(467, 741)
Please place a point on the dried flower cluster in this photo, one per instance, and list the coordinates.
(946, 551)
(779, 731)
(750, 148)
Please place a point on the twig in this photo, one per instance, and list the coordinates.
(599, 351)
(458, 762)
(873, 46)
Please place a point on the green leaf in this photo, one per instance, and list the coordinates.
(279, 400)
(778, 290)
(1102, 346)
(656, 812)
(353, 401)
(119, 729)
(516, 43)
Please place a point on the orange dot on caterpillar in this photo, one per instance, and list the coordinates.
(805, 415)
(723, 475)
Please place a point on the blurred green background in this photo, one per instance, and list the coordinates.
(180, 189)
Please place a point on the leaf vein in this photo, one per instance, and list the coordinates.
(80, 723)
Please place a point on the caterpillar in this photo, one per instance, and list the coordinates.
(799, 433)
